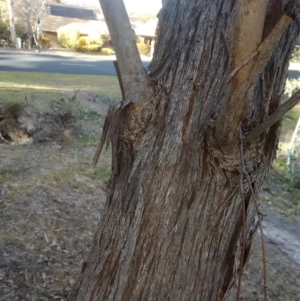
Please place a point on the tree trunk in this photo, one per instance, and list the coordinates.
(172, 225)
(11, 22)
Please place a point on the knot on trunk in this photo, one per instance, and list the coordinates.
(230, 161)
(135, 120)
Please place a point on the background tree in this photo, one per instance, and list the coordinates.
(11, 19)
(4, 30)
(192, 142)
(27, 13)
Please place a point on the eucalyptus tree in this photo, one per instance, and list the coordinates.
(192, 143)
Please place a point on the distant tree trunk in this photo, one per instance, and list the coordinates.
(11, 22)
(172, 224)
(28, 13)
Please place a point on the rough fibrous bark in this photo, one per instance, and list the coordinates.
(171, 228)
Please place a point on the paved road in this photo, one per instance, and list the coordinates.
(294, 70)
(294, 74)
(66, 63)
(73, 63)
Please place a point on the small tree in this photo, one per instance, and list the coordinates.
(27, 13)
(192, 142)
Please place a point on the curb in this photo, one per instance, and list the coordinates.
(56, 52)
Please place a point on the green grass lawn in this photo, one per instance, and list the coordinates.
(15, 86)
(290, 120)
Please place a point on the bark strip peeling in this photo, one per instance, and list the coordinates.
(237, 106)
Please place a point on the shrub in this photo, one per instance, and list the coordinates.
(83, 41)
(143, 48)
(45, 42)
(95, 37)
(4, 30)
(81, 48)
(94, 47)
(107, 51)
(68, 35)
(291, 86)
(91, 48)
(21, 31)
(295, 57)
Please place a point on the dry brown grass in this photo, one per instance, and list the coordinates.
(50, 203)
(51, 199)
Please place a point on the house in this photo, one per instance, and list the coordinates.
(147, 32)
(55, 15)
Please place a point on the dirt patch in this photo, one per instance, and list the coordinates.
(50, 204)
(24, 124)
(282, 245)
(284, 234)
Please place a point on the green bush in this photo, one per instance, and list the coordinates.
(21, 31)
(94, 48)
(45, 42)
(291, 86)
(107, 51)
(90, 48)
(295, 57)
(4, 30)
(95, 37)
(143, 48)
(83, 41)
(68, 35)
(81, 48)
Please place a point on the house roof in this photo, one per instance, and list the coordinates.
(57, 15)
(53, 23)
(69, 11)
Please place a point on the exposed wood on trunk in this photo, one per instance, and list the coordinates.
(242, 64)
(105, 131)
(129, 61)
(248, 35)
(237, 106)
